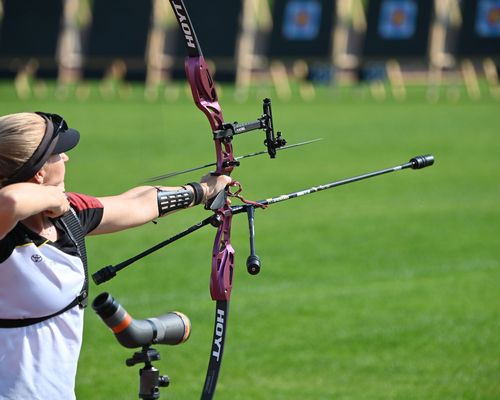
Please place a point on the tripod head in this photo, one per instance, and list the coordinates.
(150, 379)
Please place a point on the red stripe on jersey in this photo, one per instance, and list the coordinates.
(83, 202)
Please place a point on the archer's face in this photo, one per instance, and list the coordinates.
(55, 170)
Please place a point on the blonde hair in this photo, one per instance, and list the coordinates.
(20, 135)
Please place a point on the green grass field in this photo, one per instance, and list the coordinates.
(383, 289)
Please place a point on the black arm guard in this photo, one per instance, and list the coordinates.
(170, 200)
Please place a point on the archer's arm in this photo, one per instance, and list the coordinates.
(140, 205)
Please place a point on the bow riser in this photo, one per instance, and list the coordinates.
(225, 158)
(203, 90)
(221, 279)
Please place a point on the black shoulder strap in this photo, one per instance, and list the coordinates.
(77, 235)
(18, 323)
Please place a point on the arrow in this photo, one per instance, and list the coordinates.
(258, 153)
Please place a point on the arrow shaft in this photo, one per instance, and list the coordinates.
(258, 153)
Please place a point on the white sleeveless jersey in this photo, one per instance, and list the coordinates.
(39, 278)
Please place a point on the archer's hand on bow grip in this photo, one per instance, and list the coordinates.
(214, 188)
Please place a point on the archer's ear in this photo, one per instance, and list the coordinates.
(39, 176)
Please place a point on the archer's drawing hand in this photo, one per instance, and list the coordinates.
(58, 203)
(212, 185)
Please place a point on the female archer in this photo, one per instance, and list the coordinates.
(43, 278)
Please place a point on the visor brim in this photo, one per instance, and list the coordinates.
(66, 140)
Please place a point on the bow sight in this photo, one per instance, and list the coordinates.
(265, 122)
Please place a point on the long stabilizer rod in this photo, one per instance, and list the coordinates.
(418, 162)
